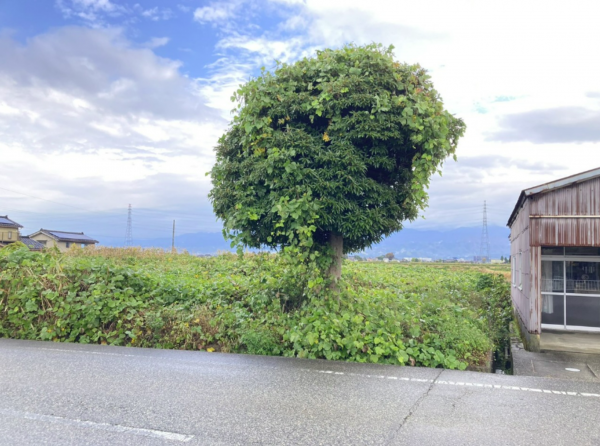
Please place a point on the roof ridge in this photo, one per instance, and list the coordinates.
(11, 220)
(64, 232)
(552, 185)
(559, 180)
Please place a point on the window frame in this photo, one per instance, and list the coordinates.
(565, 296)
(513, 268)
(520, 286)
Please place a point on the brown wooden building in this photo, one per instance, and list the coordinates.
(555, 256)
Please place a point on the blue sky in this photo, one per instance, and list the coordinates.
(105, 103)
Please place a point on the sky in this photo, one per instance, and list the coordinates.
(106, 103)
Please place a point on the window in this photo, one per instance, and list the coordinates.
(571, 288)
(68, 244)
(553, 280)
(520, 270)
(553, 251)
(43, 242)
(582, 251)
(513, 269)
(9, 235)
(583, 277)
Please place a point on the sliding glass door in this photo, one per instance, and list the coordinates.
(571, 289)
(553, 292)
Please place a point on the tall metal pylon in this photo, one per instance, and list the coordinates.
(484, 250)
(129, 232)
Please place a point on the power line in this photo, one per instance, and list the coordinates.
(44, 199)
(168, 212)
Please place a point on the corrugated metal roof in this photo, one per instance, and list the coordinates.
(8, 223)
(63, 236)
(552, 185)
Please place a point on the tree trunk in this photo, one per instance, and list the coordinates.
(336, 242)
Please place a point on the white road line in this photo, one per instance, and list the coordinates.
(462, 384)
(101, 426)
(331, 372)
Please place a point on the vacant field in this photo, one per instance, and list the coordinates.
(416, 314)
(501, 268)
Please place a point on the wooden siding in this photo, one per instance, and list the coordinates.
(578, 200)
(520, 249)
(567, 216)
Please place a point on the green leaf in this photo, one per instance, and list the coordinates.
(355, 173)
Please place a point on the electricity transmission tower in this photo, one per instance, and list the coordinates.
(129, 232)
(173, 239)
(484, 249)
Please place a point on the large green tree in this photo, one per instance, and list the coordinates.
(331, 154)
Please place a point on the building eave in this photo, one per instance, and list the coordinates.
(550, 186)
(12, 225)
(43, 231)
(49, 233)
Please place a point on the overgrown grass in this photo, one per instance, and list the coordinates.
(414, 314)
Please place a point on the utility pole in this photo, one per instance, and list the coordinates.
(129, 231)
(484, 249)
(173, 239)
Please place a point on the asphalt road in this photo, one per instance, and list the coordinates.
(68, 394)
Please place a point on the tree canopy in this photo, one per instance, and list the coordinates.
(340, 146)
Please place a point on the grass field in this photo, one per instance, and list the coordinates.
(502, 268)
(435, 315)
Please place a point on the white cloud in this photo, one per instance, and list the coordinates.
(99, 13)
(157, 13)
(91, 11)
(265, 50)
(216, 13)
(157, 42)
(90, 120)
(98, 5)
(521, 59)
(120, 114)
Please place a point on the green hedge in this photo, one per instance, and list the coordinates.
(385, 313)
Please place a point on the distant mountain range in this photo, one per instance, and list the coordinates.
(460, 243)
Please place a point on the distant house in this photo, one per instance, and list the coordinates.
(555, 257)
(33, 245)
(9, 233)
(61, 239)
(9, 230)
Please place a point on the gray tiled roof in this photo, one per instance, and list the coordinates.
(75, 237)
(8, 223)
(31, 244)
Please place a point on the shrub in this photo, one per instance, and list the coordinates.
(259, 304)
